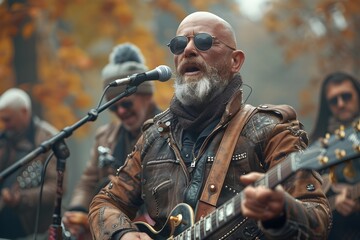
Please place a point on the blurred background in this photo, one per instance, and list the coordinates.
(56, 49)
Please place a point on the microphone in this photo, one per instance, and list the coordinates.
(161, 73)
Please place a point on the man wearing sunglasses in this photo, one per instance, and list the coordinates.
(340, 105)
(170, 163)
(114, 140)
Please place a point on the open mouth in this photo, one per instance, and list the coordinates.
(191, 69)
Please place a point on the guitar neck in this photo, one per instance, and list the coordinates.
(278, 173)
(231, 209)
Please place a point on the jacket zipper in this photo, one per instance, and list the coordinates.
(176, 150)
(202, 148)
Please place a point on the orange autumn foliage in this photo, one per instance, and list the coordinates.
(75, 37)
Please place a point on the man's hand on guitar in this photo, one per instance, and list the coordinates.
(135, 236)
(11, 197)
(259, 202)
(344, 205)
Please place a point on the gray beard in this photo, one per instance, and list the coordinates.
(199, 92)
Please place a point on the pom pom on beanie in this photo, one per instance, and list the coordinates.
(125, 60)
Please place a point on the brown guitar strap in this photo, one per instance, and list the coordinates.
(215, 180)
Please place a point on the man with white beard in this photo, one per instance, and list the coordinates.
(206, 149)
(21, 132)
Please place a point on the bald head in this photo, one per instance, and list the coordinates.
(206, 58)
(15, 98)
(220, 27)
(15, 112)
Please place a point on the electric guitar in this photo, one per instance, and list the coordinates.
(334, 149)
(353, 191)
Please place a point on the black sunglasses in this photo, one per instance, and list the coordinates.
(203, 42)
(125, 104)
(346, 97)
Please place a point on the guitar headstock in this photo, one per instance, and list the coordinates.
(341, 146)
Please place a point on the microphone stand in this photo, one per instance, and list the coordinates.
(61, 152)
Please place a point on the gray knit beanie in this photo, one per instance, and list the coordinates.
(125, 60)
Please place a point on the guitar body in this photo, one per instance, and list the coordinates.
(180, 225)
(180, 218)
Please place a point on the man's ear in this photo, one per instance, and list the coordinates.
(238, 58)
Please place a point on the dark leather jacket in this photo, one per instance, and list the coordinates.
(155, 174)
(27, 178)
(94, 176)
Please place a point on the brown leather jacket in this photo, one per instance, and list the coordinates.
(94, 177)
(26, 179)
(155, 174)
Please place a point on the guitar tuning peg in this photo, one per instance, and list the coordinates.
(340, 133)
(339, 153)
(323, 159)
(356, 125)
(325, 140)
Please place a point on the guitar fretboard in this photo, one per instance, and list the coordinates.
(231, 209)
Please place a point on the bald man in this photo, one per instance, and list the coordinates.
(169, 167)
(22, 132)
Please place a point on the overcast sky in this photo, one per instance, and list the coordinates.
(252, 8)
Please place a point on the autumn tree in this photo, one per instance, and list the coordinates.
(327, 30)
(54, 49)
